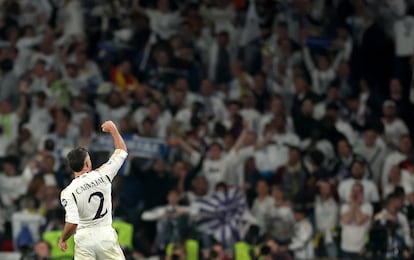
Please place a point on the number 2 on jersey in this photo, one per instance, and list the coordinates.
(101, 202)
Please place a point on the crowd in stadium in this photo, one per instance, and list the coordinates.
(279, 129)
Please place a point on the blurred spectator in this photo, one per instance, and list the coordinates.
(163, 20)
(324, 72)
(40, 119)
(293, 175)
(344, 161)
(87, 131)
(24, 146)
(122, 77)
(396, 180)
(179, 253)
(241, 84)
(262, 203)
(402, 103)
(397, 239)
(302, 92)
(41, 251)
(10, 118)
(396, 157)
(355, 223)
(276, 108)
(8, 82)
(394, 127)
(342, 126)
(113, 107)
(199, 189)
(160, 118)
(156, 182)
(370, 190)
(64, 134)
(13, 184)
(218, 252)
(302, 242)
(280, 218)
(304, 119)
(408, 170)
(373, 150)
(219, 60)
(172, 221)
(326, 218)
(26, 224)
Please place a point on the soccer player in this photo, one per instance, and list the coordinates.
(88, 202)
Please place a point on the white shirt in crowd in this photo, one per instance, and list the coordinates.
(160, 125)
(404, 36)
(88, 199)
(32, 220)
(72, 18)
(408, 179)
(260, 210)
(394, 130)
(326, 217)
(252, 117)
(370, 190)
(321, 79)
(40, 121)
(374, 156)
(275, 155)
(236, 86)
(163, 24)
(406, 182)
(353, 236)
(392, 159)
(403, 226)
(12, 187)
(107, 113)
(216, 171)
(235, 174)
(346, 129)
(268, 117)
(302, 242)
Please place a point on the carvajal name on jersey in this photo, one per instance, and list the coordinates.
(90, 185)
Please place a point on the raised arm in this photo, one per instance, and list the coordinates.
(110, 168)
(240, 141)
(337, 61)
(347, 215)
(308, 60)
(110, 127)
(361, 217)
(195, 156)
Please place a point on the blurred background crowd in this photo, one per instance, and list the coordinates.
(279, 129)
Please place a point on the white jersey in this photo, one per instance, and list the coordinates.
(88, 200)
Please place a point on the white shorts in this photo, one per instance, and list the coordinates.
(100, 243)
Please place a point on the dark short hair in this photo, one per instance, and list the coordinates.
(76, 158)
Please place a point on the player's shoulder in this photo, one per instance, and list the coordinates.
(69, 189)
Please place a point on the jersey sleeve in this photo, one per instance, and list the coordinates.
(112, 166)
(68, 201)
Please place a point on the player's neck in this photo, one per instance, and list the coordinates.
(78, 174)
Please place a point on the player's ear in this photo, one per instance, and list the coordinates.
(87, 163)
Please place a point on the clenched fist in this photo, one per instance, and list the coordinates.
(108, 127)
